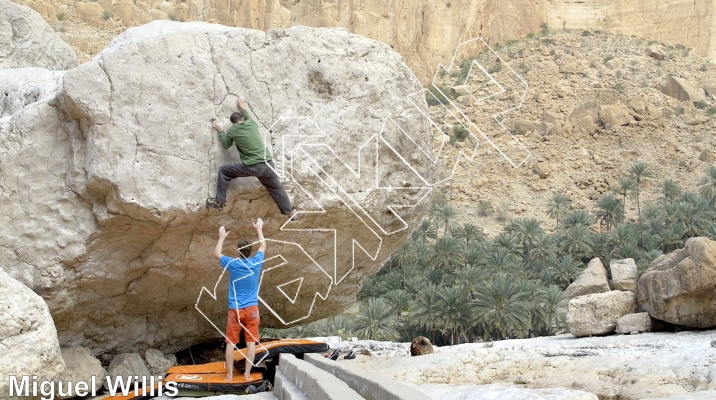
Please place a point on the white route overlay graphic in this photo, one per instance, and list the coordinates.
(303, 148)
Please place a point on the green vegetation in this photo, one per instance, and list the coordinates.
(494, 68)
(704, 67)
(607, 58)
(106, 15)
(61, 16)
(544, 28)
(711, 111)
(439, 95)
(448, 5)
(548, 41)
(586, 33)
(460, 132)
(700, 104)
(453, 284)
(618, 87)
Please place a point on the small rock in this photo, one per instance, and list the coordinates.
(157, 363)
(700, 119)
(614, 64)
(707, 156)
(420, 346)
(657, 52)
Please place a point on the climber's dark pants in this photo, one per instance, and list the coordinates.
(263, 171)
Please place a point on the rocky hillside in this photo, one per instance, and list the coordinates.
(425, 33)
(595, 103)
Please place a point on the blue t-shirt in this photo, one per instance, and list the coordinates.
(244, 276)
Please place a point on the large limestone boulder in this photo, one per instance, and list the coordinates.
(597, 314)
(625, 274)
(643, 109)
(682, 89)
(117, 237)
(26, 40)
(81, 366)
(679, 287)
(28, 339)
(592, 280)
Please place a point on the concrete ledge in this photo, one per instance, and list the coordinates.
(310, 380)
(369, 385)
(284, 389)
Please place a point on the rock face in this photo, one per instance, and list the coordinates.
(424, 32)
(28, 339)
(592, 280)
(117, 238)
(26, 40)
(81, 365)
(421, 345)
(679, 287)
(624, 274)
(634, 323)
(597, 314)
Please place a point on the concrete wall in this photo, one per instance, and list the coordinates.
(295, 377)
(369, 385)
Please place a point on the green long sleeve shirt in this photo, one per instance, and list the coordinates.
(245, 135)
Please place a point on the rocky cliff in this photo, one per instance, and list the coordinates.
(105, 169)
(425, 33)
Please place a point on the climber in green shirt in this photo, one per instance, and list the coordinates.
(255, 160)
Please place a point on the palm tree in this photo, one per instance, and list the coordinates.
(501, 307)
(455, 315)
(623, 236)
(695, 214)
(542, 248)
(610, 211)
(509, 242)
(565, 270)
(526, 231)
(446, 254)
(640, 172)
(468, 232)
(501, 260)
(707, 185)
(399, 300)
(670, 237)
(670, 190)
(442, 214)
(470, 279)
(553, 308)
(375, 321)
(576, 218)
(405, 255)
(557, 206)
(426, 309)
(624, 187)
(477, 253)
(576, 241)
(426, 230)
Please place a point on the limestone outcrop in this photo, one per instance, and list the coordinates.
(26, 40)
(103, 184)
(28, 339)
(679, 287)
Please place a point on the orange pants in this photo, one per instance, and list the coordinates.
(246, 319)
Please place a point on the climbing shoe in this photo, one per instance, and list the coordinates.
(215, 204)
